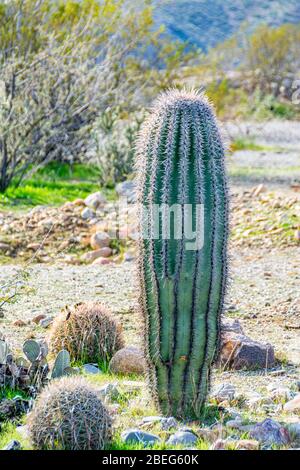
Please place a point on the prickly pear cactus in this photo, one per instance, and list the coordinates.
(62, 362)
(180, 161)
(32, 350)
(3, 351)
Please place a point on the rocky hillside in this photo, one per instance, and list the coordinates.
(204, 23)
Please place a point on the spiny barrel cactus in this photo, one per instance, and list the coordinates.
(180, 161)
(69, 415)
(88, 331)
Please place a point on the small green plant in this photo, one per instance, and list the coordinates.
(30, 373)
(68, 415)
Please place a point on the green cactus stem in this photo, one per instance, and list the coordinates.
(180, 161)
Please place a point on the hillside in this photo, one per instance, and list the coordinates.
(205, 23)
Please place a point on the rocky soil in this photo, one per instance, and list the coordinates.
(52, 257)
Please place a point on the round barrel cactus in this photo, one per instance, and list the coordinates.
(182, 263)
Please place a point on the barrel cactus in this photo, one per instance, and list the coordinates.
(180, 163)
(88, 331)
(69, 415)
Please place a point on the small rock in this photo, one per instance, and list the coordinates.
(220, 444)
(168, 423)
(152, 419)
(93, 255)
(79, 202)
(126, 189)
(46, 322)
(4, 246)
(270, 432)
(38, 318)
(23, 431)
(19, 323)
(293, 405)
(95, 200)
(246, 444)
(46, 224)
(33, 246)
(240, 444)
(128, 360)
(185, 438)
(91, 369)
(99, 240)
(234, 423)
(13, 445)
(224, 392)
(87, 213)
(258, 190)
(135, 436)
(128, 257)
(102, 261)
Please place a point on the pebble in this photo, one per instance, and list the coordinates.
(87, 213)
(13, 445)
(38, 318)
(151, 419)
(19, 323)
(46, 322)
(136, 436)
(91, 369)
(168, 423)
(225, 391)
(185, 438)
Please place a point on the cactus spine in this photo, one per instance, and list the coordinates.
(180, 160)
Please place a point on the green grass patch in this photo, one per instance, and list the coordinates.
(9, 433)
(260, 172)
(248, 144)
(9, 393)
(54, 185)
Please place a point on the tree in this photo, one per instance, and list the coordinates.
(62, 65)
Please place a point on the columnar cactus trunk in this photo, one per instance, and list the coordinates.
(180, 160)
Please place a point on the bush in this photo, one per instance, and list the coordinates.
(88, 331)
(68, 415)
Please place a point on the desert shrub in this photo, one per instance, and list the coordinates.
(68, 415)
(114, 141)
(88, 331)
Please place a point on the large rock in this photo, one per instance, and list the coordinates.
(293, 405)
(135, 436)
(238, 351)
(128, 360)
(270, 432)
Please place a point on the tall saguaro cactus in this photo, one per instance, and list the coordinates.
(180, 161)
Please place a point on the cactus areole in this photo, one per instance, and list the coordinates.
(183, 223)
